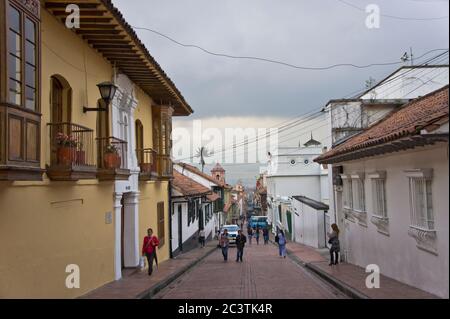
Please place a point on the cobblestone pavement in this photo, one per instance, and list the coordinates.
(262, 275)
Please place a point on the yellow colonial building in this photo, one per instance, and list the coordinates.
(85, 168)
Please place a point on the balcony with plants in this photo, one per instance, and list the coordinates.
(112, 159)
(71, 152)
(147, 160)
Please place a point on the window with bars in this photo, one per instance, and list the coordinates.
(420, 195)
(379, 197)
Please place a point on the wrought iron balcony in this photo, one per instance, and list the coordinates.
(112, 159)
(71, 152)
(147, 160)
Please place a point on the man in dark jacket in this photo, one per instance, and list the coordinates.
(240, 243)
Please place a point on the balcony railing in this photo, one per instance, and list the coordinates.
(165, 167)
(147, 159)
(71, 152)
(112, 159)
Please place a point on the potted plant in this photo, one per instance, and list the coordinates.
(111, 158)
(66, 151)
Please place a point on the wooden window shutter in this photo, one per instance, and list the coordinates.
(161, 233)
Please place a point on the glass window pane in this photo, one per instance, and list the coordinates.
(30, 76)
(30, 53)
(30, 31)
(14, 68)
(14, 92)
(14, 44)
(14, 19)
(30, 98)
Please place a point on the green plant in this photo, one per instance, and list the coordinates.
(111, 149)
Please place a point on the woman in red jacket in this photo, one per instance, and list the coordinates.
(149, 249)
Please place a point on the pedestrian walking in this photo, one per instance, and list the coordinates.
(280, 238)
(149, 249)
(333, 240)
(201, 237)
(257, 233)
(266, 235)
(240, 244)
(250, 235)
(224, 243)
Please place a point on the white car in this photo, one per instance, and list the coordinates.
(232, 232)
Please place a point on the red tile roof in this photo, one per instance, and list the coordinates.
(195, 170)
(408, 121)
(187, 186)
(213, 197)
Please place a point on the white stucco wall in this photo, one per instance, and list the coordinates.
(308, 186)
(397, 255)
(309, 225)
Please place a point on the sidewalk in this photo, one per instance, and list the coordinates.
(138, 285)
(350, 278)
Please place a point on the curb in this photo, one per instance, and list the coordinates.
(341, 286)
(149, 293)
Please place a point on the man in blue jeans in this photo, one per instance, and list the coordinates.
(224, 243)
(240, 243)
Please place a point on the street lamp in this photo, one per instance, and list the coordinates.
(107, 92)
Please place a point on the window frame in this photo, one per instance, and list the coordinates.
(27, 165)
(379, 201)
(24, 15)
(425, 177)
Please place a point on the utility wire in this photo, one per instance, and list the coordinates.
(261, 59)
(393, 16)
(302, 131)
(316, 114)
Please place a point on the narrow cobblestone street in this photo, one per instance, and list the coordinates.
(262, 275)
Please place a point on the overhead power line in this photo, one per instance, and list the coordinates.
(261, 59)
(393, 16)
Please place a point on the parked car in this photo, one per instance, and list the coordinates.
(232, 232)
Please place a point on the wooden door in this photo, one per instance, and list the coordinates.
(57, 101)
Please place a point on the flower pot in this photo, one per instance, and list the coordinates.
(111, 160)
(66, 155)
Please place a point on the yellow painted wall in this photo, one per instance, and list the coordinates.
(45, 228)
(143, 113)
(66, 54)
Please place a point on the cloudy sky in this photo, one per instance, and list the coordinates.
(229, 92)
(301, 32)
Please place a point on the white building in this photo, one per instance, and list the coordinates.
(291, 172)
(347, 117)
(215, 183)
(311, 221)
(192, 211)
(393, 201)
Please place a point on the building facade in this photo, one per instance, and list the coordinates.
(393, 201)
(94, 167)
